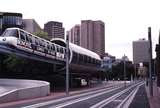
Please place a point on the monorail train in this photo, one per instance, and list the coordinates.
(81, 60)
(22, 40)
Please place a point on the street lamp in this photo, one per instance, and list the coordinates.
(67, 64)
(150, 62)
(124, 74)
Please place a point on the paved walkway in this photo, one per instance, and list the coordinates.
(154, 100)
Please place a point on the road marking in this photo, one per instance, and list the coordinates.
(127, 101)
(108, 100)
(67, 98)
(119, 100)
(81, 99)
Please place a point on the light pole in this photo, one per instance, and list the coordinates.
(67, 64)
(150, 62)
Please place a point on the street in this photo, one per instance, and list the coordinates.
(118, 96)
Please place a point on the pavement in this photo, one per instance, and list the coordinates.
(142, 98)
(154, 100)
(53, 95)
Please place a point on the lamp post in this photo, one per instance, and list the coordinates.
(67, 65)
(150, 62)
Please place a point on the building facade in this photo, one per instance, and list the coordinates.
(158, 61)
(93, 36)
(31, 26)
(54, 29)
(8, 20)
(140, 51)
(74, 34)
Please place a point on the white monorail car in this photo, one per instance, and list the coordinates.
(81, 59)
(23, 40)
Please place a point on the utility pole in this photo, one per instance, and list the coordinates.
(67, 65)
(150, 62)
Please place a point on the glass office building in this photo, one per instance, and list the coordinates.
(8, 20)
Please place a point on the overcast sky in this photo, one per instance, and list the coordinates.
(125, 20)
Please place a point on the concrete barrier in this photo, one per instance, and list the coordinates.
(23, 89)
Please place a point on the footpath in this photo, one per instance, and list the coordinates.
(143, 99)
(154, 100)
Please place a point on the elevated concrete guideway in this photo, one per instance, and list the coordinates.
(13, 89)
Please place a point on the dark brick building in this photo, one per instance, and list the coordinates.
(8, 20)
(54, 29)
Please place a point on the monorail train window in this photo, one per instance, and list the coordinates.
(11, 32)
(23, 35)
(40, 43)
(85, 58)
(57, 47)
(29, 38)
(75, 56)
(48, 45)
(80, 58)
(93, 60)
(90, 60)
(43, 43)
(53, 47)
(36, 41)
(61, 50)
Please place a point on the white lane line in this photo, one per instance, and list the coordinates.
(118, 100)
(81, 99)
(66, 98)
(108, 100)
(127, 101)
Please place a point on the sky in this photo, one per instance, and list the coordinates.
(125, 20)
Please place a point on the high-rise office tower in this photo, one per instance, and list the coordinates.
(140, 51)
(31, 25)
(93, 36)
(54, 29)
(8, 19)
(74, 34)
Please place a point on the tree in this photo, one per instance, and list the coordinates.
(42, 34)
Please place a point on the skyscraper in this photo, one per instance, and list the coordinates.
(8, 20)
(140, 51)
(74, 34)
(31, 26)
(87, 36)
(93, 36)
(99, 38)
(54, 29)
